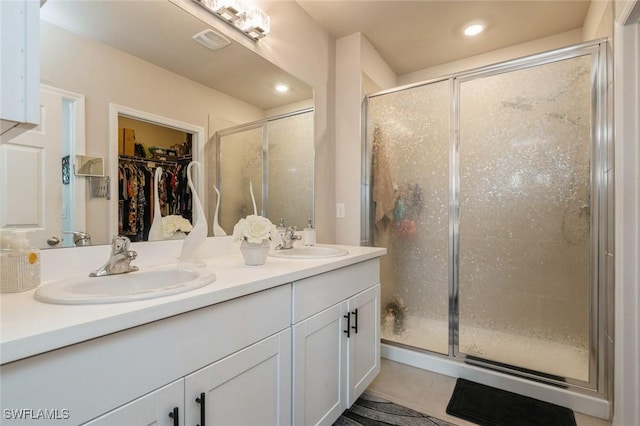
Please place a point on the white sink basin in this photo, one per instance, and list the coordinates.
(128, 287)
(309, 252)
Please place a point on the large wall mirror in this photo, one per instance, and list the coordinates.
(141, 55)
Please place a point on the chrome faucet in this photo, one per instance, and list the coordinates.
(288, 237)
(80, 239)
(120, 260)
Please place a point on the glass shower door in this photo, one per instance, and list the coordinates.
(409, 137)
(524, 220)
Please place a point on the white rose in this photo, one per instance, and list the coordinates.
(169, 227)
(254, 229)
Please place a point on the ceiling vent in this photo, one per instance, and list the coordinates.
(211, 39)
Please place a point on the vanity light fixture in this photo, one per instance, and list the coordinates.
(473, 29)
(250, 20)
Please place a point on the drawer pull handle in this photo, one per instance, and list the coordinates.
(174, 415)
(202, 408)
(355, 327)
(348, 330)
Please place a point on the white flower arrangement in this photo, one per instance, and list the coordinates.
(174, 223)
(254, 229)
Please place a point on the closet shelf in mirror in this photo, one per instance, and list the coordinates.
(163, 161)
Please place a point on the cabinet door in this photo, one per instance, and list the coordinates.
(249, 387)
(364, 343)
(151, 409)
(319, 369)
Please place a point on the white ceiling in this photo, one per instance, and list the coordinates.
(418, 34)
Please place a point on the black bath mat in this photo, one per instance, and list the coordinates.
(489, 406)
(369, 410)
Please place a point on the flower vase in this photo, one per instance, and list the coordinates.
(254, 254)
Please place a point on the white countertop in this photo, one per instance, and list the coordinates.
(29, 327)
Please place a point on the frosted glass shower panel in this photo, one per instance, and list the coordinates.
(408, 135)
(290, 162)
(241, 158)
(525, 216)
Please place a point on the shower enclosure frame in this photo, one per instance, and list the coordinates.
(260, 124)
(601, 233)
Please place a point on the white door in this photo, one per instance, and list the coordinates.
(249, 387)
(31, 174)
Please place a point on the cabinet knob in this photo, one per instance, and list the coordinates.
(202, 408)
(174, 415)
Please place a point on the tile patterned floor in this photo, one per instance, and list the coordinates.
(429, 393)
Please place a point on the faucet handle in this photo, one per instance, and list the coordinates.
(120, 244)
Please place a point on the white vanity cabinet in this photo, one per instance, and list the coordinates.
(294, 349)
(336, 345)
(125, 373)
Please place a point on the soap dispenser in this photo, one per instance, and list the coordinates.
(309, 235)
(19, 264)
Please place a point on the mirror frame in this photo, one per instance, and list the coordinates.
(198, 142)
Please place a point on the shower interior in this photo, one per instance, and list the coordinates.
(489, 191)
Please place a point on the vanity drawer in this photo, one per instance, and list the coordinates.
(314, 294)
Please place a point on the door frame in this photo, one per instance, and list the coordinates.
(198, 142)
(627, 213)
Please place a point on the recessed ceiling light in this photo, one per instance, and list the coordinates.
(282, 88)
(473, 29)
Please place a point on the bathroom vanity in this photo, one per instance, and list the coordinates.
(291, 342)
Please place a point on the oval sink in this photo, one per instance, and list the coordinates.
(309, 252)
(128, 287)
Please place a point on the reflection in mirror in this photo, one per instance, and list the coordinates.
(277, 157)
(141, 54)
(87, 165)
(148, 144)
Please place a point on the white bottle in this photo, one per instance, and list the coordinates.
(309, 235)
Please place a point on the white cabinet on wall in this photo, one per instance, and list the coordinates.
(336, 350)
(19, 66)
